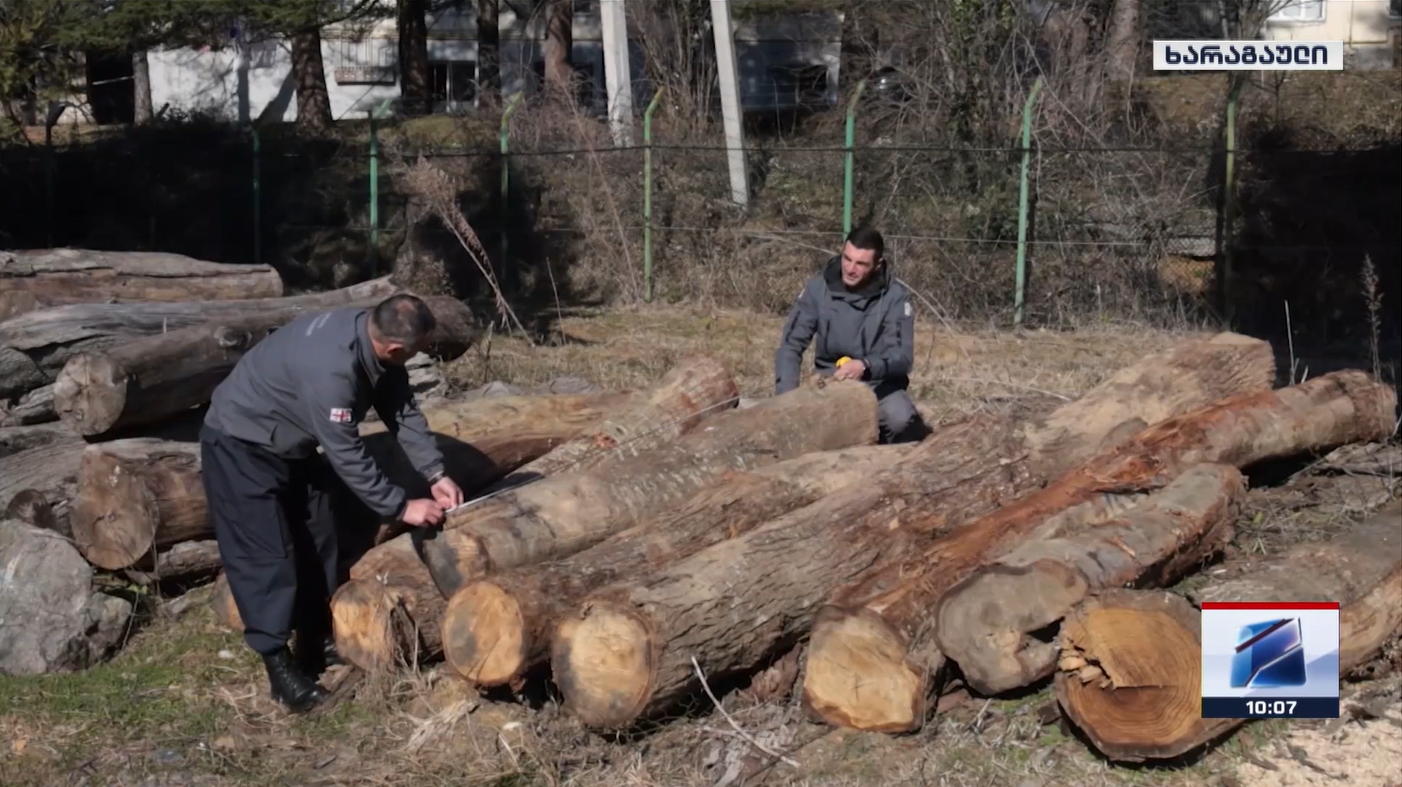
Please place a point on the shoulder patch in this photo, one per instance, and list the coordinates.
(340, 415)
(907, 309)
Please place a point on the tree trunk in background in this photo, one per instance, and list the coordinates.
(488, 52)
(141, 87)
(860, 39)
(313, 100)
(559, 45)
(413, 57)
(1122, 45)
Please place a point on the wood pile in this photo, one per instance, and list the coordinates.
(627, 543)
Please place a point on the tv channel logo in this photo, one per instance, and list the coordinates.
(1270, 659)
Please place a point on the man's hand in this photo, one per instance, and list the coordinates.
(421, 512)
(447, 493)
(852, 370)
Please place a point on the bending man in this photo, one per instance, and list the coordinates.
(273, 500)
(855, 309)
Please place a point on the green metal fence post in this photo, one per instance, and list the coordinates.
(506, 166)
(647, 195)
(849, 156)
(1229, 199)
(257, 199)
(375, 114)
(1021, 274)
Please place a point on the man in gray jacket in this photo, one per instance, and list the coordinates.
(276, 505)
(854, 308)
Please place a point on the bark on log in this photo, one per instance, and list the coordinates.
(781, 571)
(183, 562)
(693, 390)
(151, 378)
(44, 458)
(138, 493)
(1130, 675)
(867, 633)
(35, 407)
(31, 507)
(570, 512)
(984, 623)
(496, 629)
(564, 514)
(32, 280)
(221, 600)
(34, 347)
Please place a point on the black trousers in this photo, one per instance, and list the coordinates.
(287, 529)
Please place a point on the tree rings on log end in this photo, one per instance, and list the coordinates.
(484, 635)
(91, 393)
(115, 516)
(603, 663)
(370, 626)
(1131, 673)
(858, 675)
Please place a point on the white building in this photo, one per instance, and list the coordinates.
(784, 62)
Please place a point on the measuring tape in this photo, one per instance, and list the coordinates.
(842, 360)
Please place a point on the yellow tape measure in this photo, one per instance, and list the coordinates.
(842, 360)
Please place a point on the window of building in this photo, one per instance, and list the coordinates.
(452, 83)
(1299, 11)
(1394, 8)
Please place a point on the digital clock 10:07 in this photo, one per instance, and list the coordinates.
(1274, 708)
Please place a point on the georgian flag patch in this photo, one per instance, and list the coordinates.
(907, 308)
(340, 415)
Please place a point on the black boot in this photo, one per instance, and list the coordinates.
(289, 685)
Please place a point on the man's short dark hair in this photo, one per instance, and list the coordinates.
(404, 319)
(867, 238)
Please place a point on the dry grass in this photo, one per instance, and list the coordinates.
(186, 704)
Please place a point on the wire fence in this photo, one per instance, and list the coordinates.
(1120, 229)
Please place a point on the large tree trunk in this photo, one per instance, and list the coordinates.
(570, 512)
(32, 280)
(34, 347)
(141, 90)
(313, 99)
(567, 513)
(559, 48)
(413, 57)
(497, 628)
(1122, 41)
(985, 622)
(35, 407)
(488, 52)
(154, 377)
(1131, 661)
(958, 473)
(867, 635)
(138, 494)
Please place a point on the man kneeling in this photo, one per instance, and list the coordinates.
(857, 311)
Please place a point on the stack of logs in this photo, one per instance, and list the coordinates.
(626, 542)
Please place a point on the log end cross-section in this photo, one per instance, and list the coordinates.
(608, 659)
(137, 495)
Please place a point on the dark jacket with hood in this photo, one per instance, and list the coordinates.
(874, 324)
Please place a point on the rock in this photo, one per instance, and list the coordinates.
(51, 620)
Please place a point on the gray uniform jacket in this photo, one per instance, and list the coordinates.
(873, 325)
(311, 382)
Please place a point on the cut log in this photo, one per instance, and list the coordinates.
(1145, 646)
(693, 390)
(43, 458)
(54, 620)
(563, 514)
(39, 279)
(151, 378)
(985, 622)
(186, 561)
(495, 629)
(868, 633)
(775, 575)
(34, 347)
(221, 600)
(31, 507)
(139, 494)
(35, 407)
